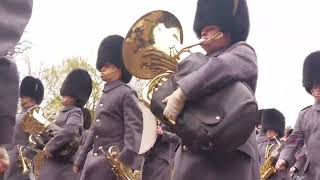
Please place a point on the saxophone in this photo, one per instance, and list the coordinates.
(122, 171)
(268, 167)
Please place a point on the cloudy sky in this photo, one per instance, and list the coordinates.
(283, 33)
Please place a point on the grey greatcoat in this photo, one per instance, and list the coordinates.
(280, 175)
(14, 16)
(71, 121)
(235, 63)
(118, 123)
(9, 90)
(14, 171)
(306, 131)
(159, 161)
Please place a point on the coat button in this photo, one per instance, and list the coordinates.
(95, 154)
(184, 147)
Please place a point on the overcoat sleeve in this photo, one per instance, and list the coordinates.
(295, 141)
(69, 131)
(239, 64)
(84, 150)
(133, 123)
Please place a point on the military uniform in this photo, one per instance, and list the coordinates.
(33, 88)
(306, 129)
(14, 170)
(272, 119)
(160, 160)
(237, 62)
(14, 17)
(68, 125)
(118, 119)
(118, 122)
(280, 175)
(71, 121)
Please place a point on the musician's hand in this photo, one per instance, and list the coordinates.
(4, 159)
(281, 164)
(46, 152)
(76, 168)
(159, 131)
(175, 103)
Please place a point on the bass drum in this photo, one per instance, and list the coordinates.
(149, 135)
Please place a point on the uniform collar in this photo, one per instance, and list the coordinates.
(226, 49)
(111, 85)
(64, 109)
(218, 52)
(316, 106)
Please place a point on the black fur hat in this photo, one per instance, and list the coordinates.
(110, 52)
(273, 119)
(78, 84)
(32, 87)
(230, 15)
(311, 71)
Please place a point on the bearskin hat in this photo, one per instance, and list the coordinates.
(32, 87)
(15, 16)
(110, 52)
(273, 119)
(311, 71)
(78, 84)
(230, 15)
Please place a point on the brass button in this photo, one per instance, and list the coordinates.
(184, 147)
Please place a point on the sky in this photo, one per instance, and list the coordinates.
(283, 33)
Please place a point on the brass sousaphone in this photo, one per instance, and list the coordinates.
(222, 119)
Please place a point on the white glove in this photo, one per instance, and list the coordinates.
(175, 103)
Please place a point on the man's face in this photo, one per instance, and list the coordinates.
(25, 101)
(214, 43)
(315, 91)
(109, 73)
(67, 100)
(271, 134)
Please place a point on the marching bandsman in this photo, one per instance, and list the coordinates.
(273, 126)
(118, 117)
(14, 16)
(67, 127)
(231, 59)
(306, 129)
(159, 161)
(31, 94)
